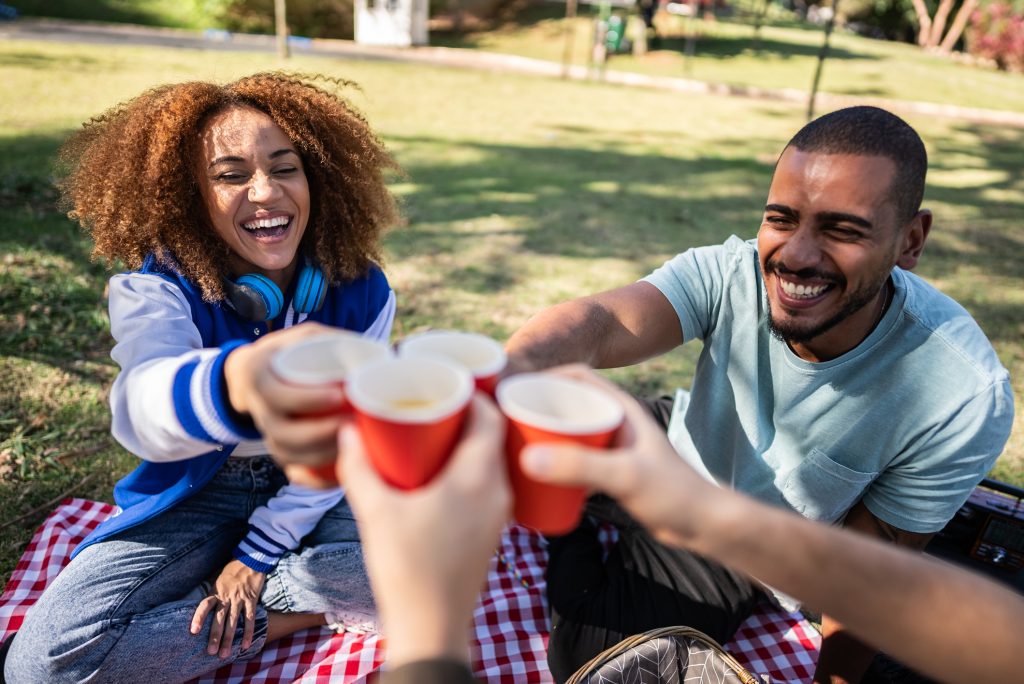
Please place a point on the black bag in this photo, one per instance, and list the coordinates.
(670, 655)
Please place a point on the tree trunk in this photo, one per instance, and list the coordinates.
(281, 29)
(959, 24)
(924, 22)
(939, 23)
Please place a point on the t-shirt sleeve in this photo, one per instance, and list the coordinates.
(923, 488)
(693, 283)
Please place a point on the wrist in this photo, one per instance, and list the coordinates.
(235, 365)
(416, 640)
(418, 628)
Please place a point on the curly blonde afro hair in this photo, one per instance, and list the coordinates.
(130, 179)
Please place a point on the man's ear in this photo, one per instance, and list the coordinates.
(914, 235)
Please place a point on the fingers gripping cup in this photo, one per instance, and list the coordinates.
(410, 412)
(326, 359)
(545, 408)
(481, 355)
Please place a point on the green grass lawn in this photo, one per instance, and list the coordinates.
(520, 192)
(786, 58)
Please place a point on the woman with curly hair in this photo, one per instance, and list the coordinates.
(240, 211)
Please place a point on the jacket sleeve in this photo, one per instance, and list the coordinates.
(281, 524)
(169, 401)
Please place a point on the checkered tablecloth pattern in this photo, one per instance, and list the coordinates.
(510, 620)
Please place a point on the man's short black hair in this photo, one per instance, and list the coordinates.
(870, 131)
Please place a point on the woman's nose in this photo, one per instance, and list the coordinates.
(262, 188)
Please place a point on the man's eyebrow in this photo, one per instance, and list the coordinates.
(841, 217)
(782, 209)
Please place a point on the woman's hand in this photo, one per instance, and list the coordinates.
(276, 406)
(235, 595)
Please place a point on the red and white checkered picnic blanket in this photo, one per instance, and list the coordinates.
(510, 620)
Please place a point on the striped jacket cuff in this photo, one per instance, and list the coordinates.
(201, 401)
(258, 551)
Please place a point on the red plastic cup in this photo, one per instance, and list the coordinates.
(483, 357)
(410, 412)
(546, 408)
(326, 359)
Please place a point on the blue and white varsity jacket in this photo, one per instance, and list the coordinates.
(169, 403)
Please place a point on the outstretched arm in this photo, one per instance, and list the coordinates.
(615, 328)
(427, 551)
(912, 606)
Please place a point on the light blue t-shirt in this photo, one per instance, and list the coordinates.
(910, 420)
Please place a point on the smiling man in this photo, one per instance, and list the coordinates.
(833, 383)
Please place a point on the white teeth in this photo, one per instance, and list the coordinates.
(801, 291)
(266, 223)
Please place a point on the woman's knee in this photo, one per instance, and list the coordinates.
(45, 650)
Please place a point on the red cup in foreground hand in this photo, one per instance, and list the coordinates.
(483, 357)
(546, 408)
(326, 359)
(410, 413)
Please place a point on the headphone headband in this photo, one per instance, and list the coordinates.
(257, 298)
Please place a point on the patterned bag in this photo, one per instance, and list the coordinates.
(670, 655)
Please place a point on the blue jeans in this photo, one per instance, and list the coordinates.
(121, 610)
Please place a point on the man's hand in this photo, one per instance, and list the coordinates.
(273, 404)
(427, 550)
(642, 471)
(235, 595)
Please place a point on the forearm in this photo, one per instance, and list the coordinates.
(425, 633)
(608, 330)
(562, 334)
(881, 593)
(279, 526)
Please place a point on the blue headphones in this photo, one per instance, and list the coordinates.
(257, 298)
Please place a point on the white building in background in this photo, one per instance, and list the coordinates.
(398, 23)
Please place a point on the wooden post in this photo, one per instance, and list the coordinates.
(281, 26)
(822, 54)
(570, 32)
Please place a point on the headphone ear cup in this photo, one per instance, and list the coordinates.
(310, 290)
(262, 298)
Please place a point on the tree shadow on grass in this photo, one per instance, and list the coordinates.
(982, 236)
(93, 10)
(579, 203)
(723, 47)
(52, 310)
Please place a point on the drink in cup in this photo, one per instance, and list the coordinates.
(410, 412)
(546, 408)
(326, 359)
(481, 355)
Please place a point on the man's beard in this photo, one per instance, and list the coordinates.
(795, 333)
